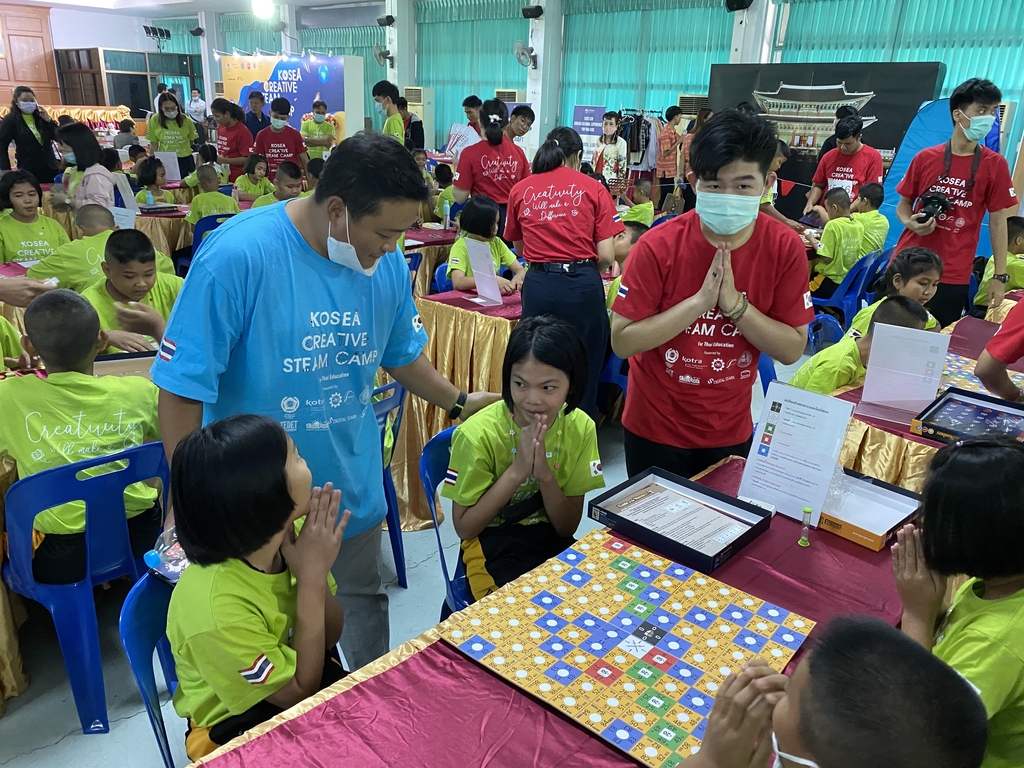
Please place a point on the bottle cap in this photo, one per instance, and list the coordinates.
(151, 559)
(808, 510)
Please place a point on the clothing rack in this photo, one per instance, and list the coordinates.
(639, 112)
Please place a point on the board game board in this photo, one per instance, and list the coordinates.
(629, 644)
(959, 372)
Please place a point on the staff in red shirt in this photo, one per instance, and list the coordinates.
(563, 223)
(493, 166)
(850, 165)
(975, 180)
(1003, 350)
(701, 298)
(471, 106)
(280, 142)
(234, 141)
(667, 166)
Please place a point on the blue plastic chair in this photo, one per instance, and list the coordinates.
(203, 227)
(143, 628)
(613, 373)
(414, 259)
(381, 408)
(875, 271)
(766, 371)
(441, 279)
(972, 290)
(847, 296)
(455, 210)
(663, 219)
(433, 469)
(108, 556)
(226, 189)
(823, 332)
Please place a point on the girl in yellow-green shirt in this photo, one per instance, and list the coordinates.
(479, 222)
(318, 133)
(253, 183)
(915, 273)
(152, 176)
(25, 235)
(171, 131)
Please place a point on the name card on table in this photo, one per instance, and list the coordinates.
(130, 203)
(124, 218)
(904, 372)
(170, 161)
(795, 450)
(482, 263)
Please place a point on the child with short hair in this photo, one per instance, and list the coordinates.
(972, 521)
(280, 142)
(211, 201)
(252, 621)
(287, 185)
(208, 156)
(865, 210)
(76, 264)
(313, 171)
(318, 132)
(624, 242)
(126, 136)
(1014, 265)
(152, 176)
(443, 177)
(915, 273)
(420, 156)
(110, 413)
(25, 234)
(111, 160)
(640, 206)
(840, 244)
(520, 467)
(253, 183)
(846, 361)
(135, 300)
(479, 222)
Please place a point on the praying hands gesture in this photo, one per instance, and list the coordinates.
(719, 288)
(920, 588)
(541, 468)
(312, 552)
(523, 464)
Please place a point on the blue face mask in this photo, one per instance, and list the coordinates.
(277, 124)
(28, 106)
(978, 127)
(69, 157)
(727, 214)
(318, 118)
(380, 107)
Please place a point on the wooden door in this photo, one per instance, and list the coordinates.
(27, 57)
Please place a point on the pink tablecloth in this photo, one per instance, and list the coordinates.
(511, 307)
(429, 238)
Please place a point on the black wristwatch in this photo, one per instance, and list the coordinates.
(1003, 278)
(460, 403)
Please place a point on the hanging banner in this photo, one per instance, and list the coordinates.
(586, 121)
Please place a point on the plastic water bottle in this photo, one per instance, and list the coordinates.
(447, 215)
(161, 552)
(149, 197)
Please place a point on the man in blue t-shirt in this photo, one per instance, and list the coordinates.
(289, 311)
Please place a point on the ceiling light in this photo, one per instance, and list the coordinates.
(263, 9)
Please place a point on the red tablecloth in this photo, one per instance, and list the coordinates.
(854, 396)
(970, 336)
(429, 238)
(511, 307)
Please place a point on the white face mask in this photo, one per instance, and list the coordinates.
(344, 253)
(779, 756)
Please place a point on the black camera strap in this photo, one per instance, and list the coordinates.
(949, 161)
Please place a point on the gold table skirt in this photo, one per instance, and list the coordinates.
(82, 114)
(432, 256)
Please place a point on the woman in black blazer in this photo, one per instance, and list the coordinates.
(33, 149)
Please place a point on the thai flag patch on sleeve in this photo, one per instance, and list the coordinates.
(623, 290)
(451, 476)
(167, 349)
(260, 670)
(617, 218)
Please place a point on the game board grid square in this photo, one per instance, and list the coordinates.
(663, 619)
(670, 687)
(773, 613)
(698, 732)
(603, 672)
(655, 701)
(643, 672)
(659, 659)
(641, 608)
(477, 647)
(562, 673)
(714, 605)
(698, 654)
(624, 565)
(672, 761)
(750, 640)
(550, 622)
(650, 752)
(762, 627)
(634, 646)
(625, 620)
(616, 545)
(673, 644)
(573, 634)
(589, 622)
(556, 646)
(546, 601)
(573, 705)
(737, 614)
(710, 644)
(631, 586)
(787, 637)
(689, 748)
(650, 632)
(776, 655)
(644, 573)
(668, 735)
(690, 633)
(699, 617)
(685, 673)
(801, 625)
(580, 659)
(597, 645)
(576, 577)
(685, 718)
(697, 701)
(678, 572)
(621, 734)
(571, 556)
(624, 689)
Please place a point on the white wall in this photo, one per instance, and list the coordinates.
(89, 29)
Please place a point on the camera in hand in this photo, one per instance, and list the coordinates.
(932, 204)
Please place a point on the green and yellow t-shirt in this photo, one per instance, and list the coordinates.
(161, 297)
(69, 417)
(831, 368)
(163, 196)
(981, 639)
(642, 212)
(174, 138)
(10, 340)
(840, 241)
(270, 199)
(192, 180)
(445, 195)
(458, 257)
(613, 291)
(311, 129)
(76, 265)
(210, 204)
(862, 320)
(29, 242)
(248, 187)
(876, 229)
(1014, 268)
(394, 127)
(30, 121)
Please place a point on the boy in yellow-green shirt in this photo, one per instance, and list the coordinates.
(865, 211)
(313, 170)
(135, 300)
(840, 245)
(479, 222)
(210, 202)
(623, 242)
(318, 133)
(846, 361)
(1014, 265)
(76, 264)
(26, 235)
(69, 416)
(443, 176)
(208, 154)
(253, 183)
(385, 94)
(287, 185)
(640, 207)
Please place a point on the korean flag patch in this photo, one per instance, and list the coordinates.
(417, 323)
(595, 468)
(807, 300)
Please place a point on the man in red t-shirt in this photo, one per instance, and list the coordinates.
(667, 167)
(850, 165)
(975, 180)
(701, 298)
(471, 106)
(280, 142)
(1003, 350)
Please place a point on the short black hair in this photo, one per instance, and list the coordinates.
(386, 89)
(479, 216)
(368, 168)
(974, 91)
(586, 168)
(110, 158)
(145, 171)
(846, 111)
(599, 177)
(402, 103)
(253, 160)
(443, 173)
(63, 120)
(126, 126)
(908, 264)
(206, 174)
(747, 107)
(552, 342)
(902, 311)
(729, 136)
(419, 151)
(289, 170)
(134, 150)
(561, 144)
(972, 508)
(523, 110)
(256, 95)
(672, 113)
(17, 176)
(161, 87)
(1014, 228)
(208, 152)
(644, 185)
(83, 143)
(127, 245)
(876, 697)
(315, 167)
(784, 149)
(222, 105)
(635, 229)
(849, 127)
(837, 196)
(319, 103)
(874, 193)
(230, 488)
(63, 327)
(281, 106)
(473, 102)
(93, 215)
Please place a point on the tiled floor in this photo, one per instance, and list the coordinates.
(40, 729)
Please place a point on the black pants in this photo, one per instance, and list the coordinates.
(642, 454)
(667, 185)
(60, 559)
(186, 165)
(826, 289)
(949, 303)
(689, 198)
(577, 298)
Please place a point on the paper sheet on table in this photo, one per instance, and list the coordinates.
(795, 450)
(121, 182)
(483, 272)
(124, 218)
(905, 368)
(170, 161)
(410, 243)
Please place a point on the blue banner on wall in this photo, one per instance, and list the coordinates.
(586, 121)
(300, 80)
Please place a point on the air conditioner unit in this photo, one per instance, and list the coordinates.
(510, 95)
(421, 104)
(218, 87)
(691, 103)
(1007, 110)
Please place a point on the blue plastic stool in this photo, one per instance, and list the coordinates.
(108, 556)
(766, 371)
(823, 332)
(393, 402)
(847, 296)
(143, 628)
(441, 279)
